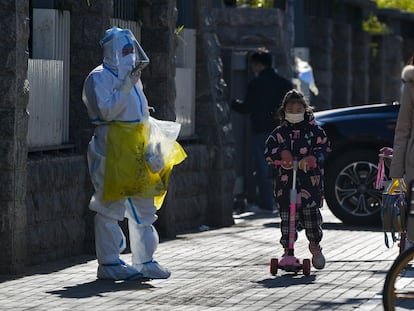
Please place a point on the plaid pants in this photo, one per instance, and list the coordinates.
(309, 216)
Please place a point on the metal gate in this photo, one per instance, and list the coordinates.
(48, 74)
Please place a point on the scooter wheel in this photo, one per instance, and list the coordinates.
(274, 263)
(306, 266)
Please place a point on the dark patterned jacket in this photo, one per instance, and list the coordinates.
(301, 139)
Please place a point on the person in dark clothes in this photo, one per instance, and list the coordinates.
(264, 94)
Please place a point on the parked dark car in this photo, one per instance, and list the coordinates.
(356, 133)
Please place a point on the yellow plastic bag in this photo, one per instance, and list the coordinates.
(176, 156)
(394, 209)
(126, 171)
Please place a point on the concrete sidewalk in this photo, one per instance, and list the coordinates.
(222, 269)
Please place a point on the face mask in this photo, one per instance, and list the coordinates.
(294, 117)
(126, 64)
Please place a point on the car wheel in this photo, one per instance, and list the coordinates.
(349, 189)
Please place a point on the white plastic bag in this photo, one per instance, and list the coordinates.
(162, 137)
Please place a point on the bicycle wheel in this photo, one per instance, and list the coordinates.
(398, 291)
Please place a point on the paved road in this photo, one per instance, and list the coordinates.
(222, 269)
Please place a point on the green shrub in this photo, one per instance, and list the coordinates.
(403, 5)
(256, 3)
(373, 26)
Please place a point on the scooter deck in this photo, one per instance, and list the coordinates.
(290, 264)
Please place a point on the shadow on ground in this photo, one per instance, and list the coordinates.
(352, 303)
(292, 280)
(285, 280)
(332, 226)
(50, 267)
(98, 287)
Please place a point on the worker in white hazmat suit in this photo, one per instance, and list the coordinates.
(113, 92)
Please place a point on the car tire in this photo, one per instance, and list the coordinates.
(349, 188)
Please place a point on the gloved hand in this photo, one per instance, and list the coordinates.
(130, 80)
(307, 163)
(153, 157)
(286, 159)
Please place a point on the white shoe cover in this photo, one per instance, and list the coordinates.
(118, 271)
(153, 270)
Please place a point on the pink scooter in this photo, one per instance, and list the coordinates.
(290, 263)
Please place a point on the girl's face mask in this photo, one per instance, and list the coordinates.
(294, 117)
(294, 112)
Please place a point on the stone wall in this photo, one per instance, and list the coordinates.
(213, 124)
(360, 68)
(352, 67)
(160, 42)
(385, 68)
(342, 65)
(56, 226)
(88, 25)
(249, 29)
(321, 55)
(13, 132)
(186, 204)
(200, 192)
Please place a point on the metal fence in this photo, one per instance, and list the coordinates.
(126, 9)
(48, 74)
(125, 24)
(185, 82)
(46, 122)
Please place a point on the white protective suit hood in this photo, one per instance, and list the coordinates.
(115, 40)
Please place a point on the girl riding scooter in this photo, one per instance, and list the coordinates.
(300, 139)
